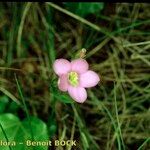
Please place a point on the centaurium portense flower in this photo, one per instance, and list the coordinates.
(74, 77)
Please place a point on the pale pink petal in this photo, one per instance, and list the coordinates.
(61, 66)
(63, 83)
(89, 79)
(79, 94)
(79, 65)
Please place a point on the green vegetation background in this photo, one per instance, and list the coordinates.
(116, 115)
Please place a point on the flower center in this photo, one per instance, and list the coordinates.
(73, 78)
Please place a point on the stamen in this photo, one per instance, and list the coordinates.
(73, 78)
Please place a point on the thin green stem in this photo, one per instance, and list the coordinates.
(110, 116)
(116, 111)
(140, 148)
(25, 107)
(5, 135)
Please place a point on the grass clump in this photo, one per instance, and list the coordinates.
(116, 114)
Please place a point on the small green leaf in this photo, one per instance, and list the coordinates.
(84, 8)
(3, 103)
(13, 107)
(64, 98)
(19, 132)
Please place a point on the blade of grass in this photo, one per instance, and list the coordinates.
(117, 117)
(136, 44)
(26, 9)
(5, 136)
(146, 141)
(72, 133)
(98, 47)
(76, 17)
(93, 26)
(25, 107)
(99, 103)
(12, 35)
(86, 137)
(50, 30)
(10, 95)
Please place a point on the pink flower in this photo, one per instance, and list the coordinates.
(74, 77)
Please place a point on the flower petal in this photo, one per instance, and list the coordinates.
(61, 66)
(89, 79)
(63, 83)
(79, 65)
(79, 94)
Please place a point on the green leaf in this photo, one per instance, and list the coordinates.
(13, 107)
(19, 132)
(84, 8)
(3, 103)
(64, 98)
(60, 96)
